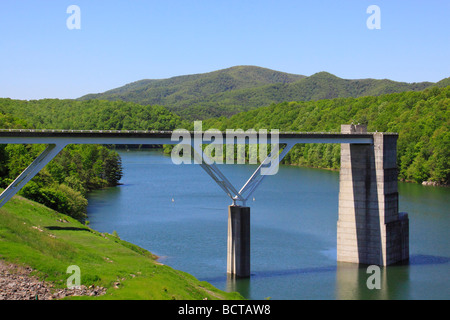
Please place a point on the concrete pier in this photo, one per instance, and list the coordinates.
(370, 230)
(238, 255)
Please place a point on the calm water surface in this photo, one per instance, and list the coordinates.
(180, 214)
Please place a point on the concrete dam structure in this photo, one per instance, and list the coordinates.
(370, 230)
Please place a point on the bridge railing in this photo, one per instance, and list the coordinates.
(164, 131)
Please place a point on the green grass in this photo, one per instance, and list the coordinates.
(49, 242)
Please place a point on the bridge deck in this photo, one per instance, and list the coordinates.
(30, 136)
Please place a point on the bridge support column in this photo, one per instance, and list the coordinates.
(238, 255)
(370, 230)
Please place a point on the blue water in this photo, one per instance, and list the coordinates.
(180, 214)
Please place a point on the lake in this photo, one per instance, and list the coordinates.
(180, 214)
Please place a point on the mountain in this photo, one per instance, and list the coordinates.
(443, 83)
(182, 92)
(229, 91)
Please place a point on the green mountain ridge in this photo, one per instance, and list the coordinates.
(229, 91)
(151, 91)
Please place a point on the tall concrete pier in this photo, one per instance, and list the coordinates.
(370, 230)
(238, 255)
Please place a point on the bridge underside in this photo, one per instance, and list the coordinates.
(370, 228)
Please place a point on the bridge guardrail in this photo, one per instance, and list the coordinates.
(162, 131)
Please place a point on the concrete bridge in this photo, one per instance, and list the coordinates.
(370, 230)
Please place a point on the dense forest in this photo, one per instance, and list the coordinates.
(242, 88)
(422, 120)
(90, 115)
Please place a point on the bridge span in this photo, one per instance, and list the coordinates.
(370, 230)
(43, 136)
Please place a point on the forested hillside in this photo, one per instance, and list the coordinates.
(242, 88)
(422, 120)
(195, 96)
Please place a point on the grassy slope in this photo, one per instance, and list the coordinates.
(33, 235)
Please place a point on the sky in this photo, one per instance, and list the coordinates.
(43, 53)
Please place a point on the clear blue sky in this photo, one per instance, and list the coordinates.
(123, 41)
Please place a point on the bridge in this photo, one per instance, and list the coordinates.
(370, 230)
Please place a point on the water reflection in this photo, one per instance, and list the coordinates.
(351, 279)
(423, 259)
(242, 286)
(351, 282)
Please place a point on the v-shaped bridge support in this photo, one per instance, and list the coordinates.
(268, 166)
(238, 244)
